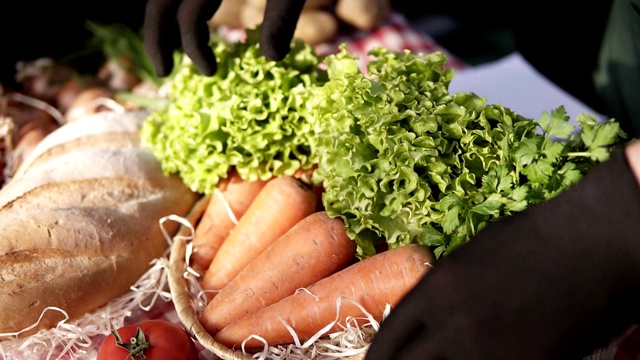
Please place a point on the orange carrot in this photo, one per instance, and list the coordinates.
(314, 248)
(227, 204)
(306, 176)
(373, 283)
(281, 203)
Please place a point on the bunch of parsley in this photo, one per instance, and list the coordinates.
(402, 159)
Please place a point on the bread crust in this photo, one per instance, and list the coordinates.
(80, 220)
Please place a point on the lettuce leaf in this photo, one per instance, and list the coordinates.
(251, 115)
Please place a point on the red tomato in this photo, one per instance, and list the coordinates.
(157, 340)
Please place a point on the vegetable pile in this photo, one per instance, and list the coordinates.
(401, 158)
(398, 156)
(400, 165)
(332, 190)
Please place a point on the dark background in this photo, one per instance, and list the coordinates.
(56, 29)
(560, 39)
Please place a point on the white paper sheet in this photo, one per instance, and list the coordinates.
(514, 83)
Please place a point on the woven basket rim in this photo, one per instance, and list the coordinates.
(182, 298)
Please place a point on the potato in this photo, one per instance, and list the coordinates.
(228, 13)
(363, 14)
(317, 4)
(316, 27)
(309, 4)
(251, 16)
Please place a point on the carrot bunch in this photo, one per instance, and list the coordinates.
(259, 243)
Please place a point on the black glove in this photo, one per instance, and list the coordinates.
(169, 24)
(556, 281)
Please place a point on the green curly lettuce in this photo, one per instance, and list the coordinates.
(403, 160)
(251, 115)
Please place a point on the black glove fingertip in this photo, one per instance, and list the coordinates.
(162, 63)
(195, 33)
(160, 34)
(207, 68)
(278, 27)
(272, 48)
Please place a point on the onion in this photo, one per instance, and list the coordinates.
(29, 136)
(42, 77)
(68, 92)
(90, 101)
(117, 75)
(23, 127)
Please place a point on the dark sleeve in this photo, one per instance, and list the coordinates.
(563, 42)
(618, 75)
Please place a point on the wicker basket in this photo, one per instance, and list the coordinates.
(183, 300)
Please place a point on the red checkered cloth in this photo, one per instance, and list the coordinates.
(395, 34)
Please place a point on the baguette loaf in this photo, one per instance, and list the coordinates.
(80, 220)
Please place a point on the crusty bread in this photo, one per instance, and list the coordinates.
(80, 220)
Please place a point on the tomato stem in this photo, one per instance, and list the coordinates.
(136, 346)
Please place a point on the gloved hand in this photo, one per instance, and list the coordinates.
(169, 24)
(556, 281)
